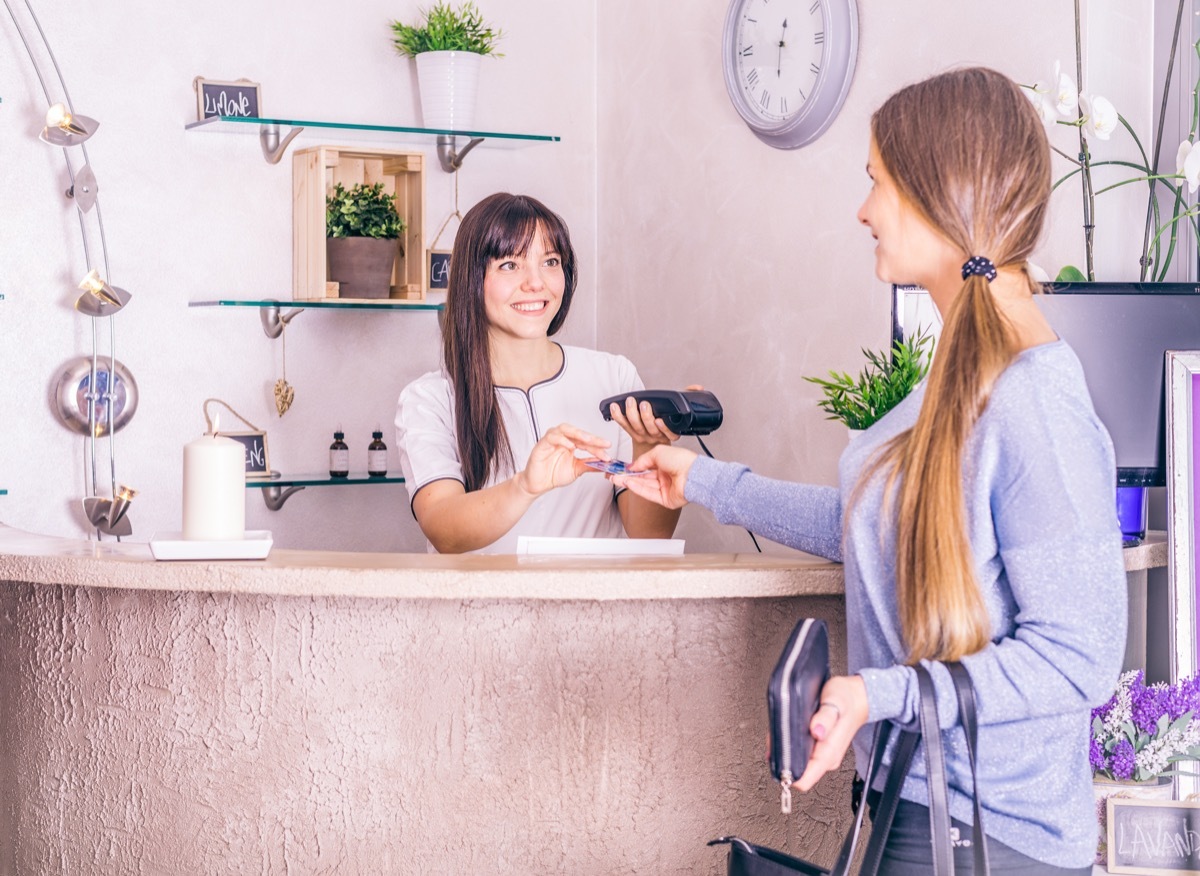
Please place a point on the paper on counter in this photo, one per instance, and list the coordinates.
(529, 545)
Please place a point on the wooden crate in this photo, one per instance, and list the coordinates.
(315, 172)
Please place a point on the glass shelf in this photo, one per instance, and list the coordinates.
(321, 480)
(276, 491)
(446, 141)
(243, 125)
(382, 304)
(273, 321)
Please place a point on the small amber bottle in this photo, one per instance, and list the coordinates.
(377, 456)
(339, 457)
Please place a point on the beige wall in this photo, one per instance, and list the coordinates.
(706, 255)
(728, 263)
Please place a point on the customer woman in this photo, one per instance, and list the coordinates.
(977, 519)
(490, 444)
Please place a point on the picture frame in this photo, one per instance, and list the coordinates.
(258, 463)
(1183, 524)
(439, 268)
(241, 97)
(1153, 836)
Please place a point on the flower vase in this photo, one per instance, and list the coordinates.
(1160, 788)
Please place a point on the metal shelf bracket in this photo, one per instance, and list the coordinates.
(272, 147)
(450, 158)
(274, 496)
(273, 321)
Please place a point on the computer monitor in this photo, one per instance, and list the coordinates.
(1120, 332)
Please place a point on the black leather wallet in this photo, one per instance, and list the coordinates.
(691, 412)
(792, 699)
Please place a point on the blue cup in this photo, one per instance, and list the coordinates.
(1132, 507)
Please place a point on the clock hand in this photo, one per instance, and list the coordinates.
(779, 57)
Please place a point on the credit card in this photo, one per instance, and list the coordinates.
(613, 466)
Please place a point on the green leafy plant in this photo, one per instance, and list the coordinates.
(880, 386)
(447, 30)
(362, 211)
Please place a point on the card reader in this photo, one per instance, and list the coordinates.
(690, 412)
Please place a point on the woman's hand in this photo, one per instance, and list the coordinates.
(668, 468)
(553, 463)
(843, 710)
(643, 427)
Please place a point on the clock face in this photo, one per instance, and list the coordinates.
(778, 47)
(788, 65)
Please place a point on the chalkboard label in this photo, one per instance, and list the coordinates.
(1153, 836)
(257, 463)
(439, 269)
(239, 98)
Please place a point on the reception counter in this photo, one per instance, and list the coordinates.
(386, 713)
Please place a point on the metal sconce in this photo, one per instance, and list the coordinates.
(95, 398)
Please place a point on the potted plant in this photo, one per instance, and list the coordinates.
(362, 226)
(880, 386)
(1138, 738)
(448, 46)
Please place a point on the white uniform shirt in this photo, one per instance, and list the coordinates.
(428, 444)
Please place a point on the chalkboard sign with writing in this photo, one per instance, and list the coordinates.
(239, 98)
(257, 464)
(1153, 836)
(439, 269)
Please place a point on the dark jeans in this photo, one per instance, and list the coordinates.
(909, 852)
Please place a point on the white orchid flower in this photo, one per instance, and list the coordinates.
(1100, 116)
(1039, 96)
(1187, 164)
(1066, 95)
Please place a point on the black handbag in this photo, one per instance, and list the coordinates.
(748, 859)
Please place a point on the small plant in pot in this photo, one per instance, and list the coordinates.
(362, 227)
(447, 46)
(885, 381)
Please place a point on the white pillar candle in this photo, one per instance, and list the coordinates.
(214, 489)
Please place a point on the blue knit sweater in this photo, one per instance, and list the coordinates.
(1039, 490)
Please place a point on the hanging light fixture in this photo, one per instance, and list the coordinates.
(85, 188)
(65, 129)
(108, 515)
(100, 299)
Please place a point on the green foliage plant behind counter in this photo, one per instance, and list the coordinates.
(447, 30)
(881, 385)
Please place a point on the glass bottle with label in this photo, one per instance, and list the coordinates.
(377, 456)
(339, 457)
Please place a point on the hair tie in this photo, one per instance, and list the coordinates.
(979, 266)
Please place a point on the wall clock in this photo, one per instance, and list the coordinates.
(788, 65)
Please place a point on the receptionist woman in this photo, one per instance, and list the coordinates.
(488, 444)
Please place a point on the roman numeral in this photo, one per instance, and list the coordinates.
(765, 99)
(747, 52)
(803, 96)
(783, 105)
(816, 5)
(752, 77)
(819, 37)
(816, 69)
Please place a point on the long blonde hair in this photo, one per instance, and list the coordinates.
(968, 152)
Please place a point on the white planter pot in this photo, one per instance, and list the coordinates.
(448, 82)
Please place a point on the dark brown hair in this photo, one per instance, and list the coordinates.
(967, 151)
(498, 227)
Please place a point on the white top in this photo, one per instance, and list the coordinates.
(428, 443)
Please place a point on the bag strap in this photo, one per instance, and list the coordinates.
(842, 866)
(935, 775)
(889, 799)
(966, 710)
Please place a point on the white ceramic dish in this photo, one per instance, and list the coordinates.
(173, 546)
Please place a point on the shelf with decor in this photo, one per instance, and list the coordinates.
(274, 143)
(273, 320)
(277, 490)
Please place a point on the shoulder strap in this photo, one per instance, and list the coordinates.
(889, 799)
(966, 710)
(935, 774)
(842, 866)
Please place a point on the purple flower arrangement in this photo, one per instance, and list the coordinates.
(1144, 730)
